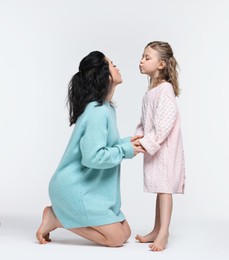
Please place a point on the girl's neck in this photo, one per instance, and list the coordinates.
(154, 82)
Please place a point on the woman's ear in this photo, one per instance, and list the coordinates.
(161, 65)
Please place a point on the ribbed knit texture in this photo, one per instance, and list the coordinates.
(85, 189)
(164, 167)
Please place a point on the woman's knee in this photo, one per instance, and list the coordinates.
(128, 233)
(117, 240)
(127, 230)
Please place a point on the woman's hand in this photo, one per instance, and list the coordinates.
(136, 137)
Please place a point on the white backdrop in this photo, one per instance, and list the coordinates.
(42, 43)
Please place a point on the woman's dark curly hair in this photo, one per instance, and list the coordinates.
(90, 83)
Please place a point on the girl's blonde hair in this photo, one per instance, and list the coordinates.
(169, 72)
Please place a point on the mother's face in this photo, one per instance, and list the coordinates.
(116, 76)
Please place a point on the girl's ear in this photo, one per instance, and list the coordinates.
(161, 65)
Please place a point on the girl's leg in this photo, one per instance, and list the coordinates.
(150, 237)
(165, 205)
(112, 235)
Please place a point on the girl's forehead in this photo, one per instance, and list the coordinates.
(150, 51)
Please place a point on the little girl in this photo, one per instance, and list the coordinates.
(164, 171)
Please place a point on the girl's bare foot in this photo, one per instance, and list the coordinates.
(49, 223)
(160, 242)
(147, 238)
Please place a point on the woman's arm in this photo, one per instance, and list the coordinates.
(93, 144)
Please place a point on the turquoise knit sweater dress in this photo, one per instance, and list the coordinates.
(85, 189)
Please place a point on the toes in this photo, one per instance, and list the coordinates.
(154, 247)
(140, 238)
(46, 237)
(43, 239)
(40, 239)
(137, 237)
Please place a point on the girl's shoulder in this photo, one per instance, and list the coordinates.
(159, 93)
(167, 88)
(162, 88)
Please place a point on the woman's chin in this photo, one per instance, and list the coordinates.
(118, 82)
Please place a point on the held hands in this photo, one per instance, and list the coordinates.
(138, 148)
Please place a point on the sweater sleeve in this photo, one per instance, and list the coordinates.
(164, 120)
(93, 144)
(139, 129)
(125, 139)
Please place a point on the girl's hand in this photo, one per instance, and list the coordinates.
(138, 148)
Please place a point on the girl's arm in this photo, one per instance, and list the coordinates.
(93, 144)
(165, 118)
(139, 129)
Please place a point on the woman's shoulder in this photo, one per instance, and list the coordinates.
(93, 113)
(96, 110)
(96, 106)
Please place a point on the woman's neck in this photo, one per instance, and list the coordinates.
(110, 95)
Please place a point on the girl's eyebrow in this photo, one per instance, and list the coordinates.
(145, 55)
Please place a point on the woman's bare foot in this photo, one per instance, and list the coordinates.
(147, 238)
(49, 223)
(160, 242)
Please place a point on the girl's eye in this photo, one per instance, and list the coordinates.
(114, 65)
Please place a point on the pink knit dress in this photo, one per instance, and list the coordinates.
(164, 168)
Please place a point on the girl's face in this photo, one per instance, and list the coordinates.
(116, 76)
(151, 63)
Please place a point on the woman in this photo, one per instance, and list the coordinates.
(85, 189)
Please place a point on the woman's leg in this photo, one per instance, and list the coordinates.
(126, 229)
(150, 237)
(49, 223)
(165, 205)
(112, 235)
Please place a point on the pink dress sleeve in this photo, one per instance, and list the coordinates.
(165, 115)
(139, 129)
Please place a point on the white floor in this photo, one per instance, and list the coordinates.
(189, 239)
